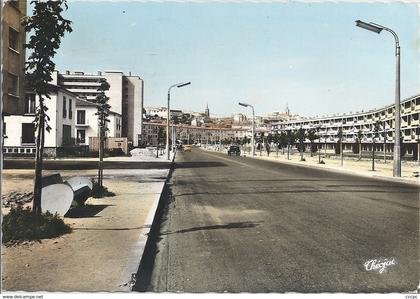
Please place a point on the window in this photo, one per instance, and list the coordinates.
(70, 109)
(12, 84)
(81, 117)
(81, 136)
(4, 129)
(28, 133)
(30, 103)
(64, 108)
(13, 39)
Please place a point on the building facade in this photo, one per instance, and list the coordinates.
(13, 59)
(192, 134)
(362, 124)
(86, 125)
(125, 93)
(19, 130)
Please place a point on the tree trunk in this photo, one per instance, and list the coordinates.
(360, 151)
(301, 152)
(101, 157)
(36, 205)
(373, 156)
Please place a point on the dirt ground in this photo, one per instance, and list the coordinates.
(93, 256)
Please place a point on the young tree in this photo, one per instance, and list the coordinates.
(301, 136)
(375, 134)
(260, 142)
(283, 140)
(276, 139)
(312, 136)
(359, 141)
(291, 137)
(161, 136)
(103, 109)
(338, 148)
(48, 28)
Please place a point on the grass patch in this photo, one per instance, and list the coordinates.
(21, 225)
(100, 192)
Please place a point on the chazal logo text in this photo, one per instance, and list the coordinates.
(380, 264)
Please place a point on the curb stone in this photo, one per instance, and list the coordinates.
(415, 183)
(129, 274)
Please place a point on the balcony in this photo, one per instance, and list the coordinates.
(84, 124)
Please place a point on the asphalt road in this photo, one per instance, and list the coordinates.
(236, 224)
(82, 165)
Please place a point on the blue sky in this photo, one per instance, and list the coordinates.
(311, 56)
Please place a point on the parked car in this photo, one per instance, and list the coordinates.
(234, 150)
(187, 147)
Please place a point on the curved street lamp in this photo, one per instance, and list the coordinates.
(253, 124)
(169, 115)
(397, 147)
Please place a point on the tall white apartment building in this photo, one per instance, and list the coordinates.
(363, 123)
(125, 93)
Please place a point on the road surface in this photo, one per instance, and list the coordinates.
(236, 224)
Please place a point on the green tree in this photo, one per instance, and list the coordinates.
(357, 148)
(161, 136)
(301, 136)
(291, 137)
(270, 138)
(47, 27)
(283, 140)
(312, 136)
(375, 134)
(261, 141)
(175, 119)
(103, 109)
(338, 148)
(276, 139)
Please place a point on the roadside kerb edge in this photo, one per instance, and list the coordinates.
(129, 275)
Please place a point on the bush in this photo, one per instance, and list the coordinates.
(21, 224)
(99, 192)
(114, 152)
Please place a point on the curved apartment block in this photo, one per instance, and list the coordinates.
(329, 126)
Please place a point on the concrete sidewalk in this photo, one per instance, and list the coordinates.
(106, 244)
(351, 166)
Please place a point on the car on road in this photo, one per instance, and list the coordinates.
(187, 148)
(234, 150)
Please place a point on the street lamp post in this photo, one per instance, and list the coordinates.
(397, 147)
(169, 114)
(253, 125)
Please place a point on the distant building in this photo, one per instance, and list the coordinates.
(239, 118)
(13, 56)
(125, 93)
(161, 112)
(207, 111)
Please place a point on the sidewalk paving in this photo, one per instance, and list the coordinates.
(106, 243)
(350, 165)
